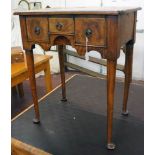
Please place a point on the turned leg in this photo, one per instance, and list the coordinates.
(31, 72)
(111, 73)
(128, 76)
(62, 71)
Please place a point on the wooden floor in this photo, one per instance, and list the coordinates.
(19, 104)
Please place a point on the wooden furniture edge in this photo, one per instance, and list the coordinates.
(24, 75)
(19, 147)
(36, 65)
(78, 11)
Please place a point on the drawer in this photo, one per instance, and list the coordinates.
(61, 25)
(93, 28)
(37, 29)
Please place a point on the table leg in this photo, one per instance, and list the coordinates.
(111, 73)
(48, 82)
(128, 76)
(20, 89)
(62, 71)
(65, 59)
(31, 72)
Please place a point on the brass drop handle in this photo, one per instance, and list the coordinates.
(59, 26)
(37, 30)
(88, 32)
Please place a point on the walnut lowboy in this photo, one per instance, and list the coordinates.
(107, 30)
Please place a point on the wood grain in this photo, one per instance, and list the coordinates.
(111, 28)
(62, 71)
(31, 73)
(20, 148)
(98, 27)
(128, 75)
(19, 71)
(111, 73)
(79, 10)
(126, 27)
(41, 23)
(67, 25)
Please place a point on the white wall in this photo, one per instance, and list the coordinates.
(138, 62)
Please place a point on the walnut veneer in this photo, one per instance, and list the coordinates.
(107, 30)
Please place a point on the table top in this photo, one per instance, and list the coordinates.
(79, 10)
(18, 68)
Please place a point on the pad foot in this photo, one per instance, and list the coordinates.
(36, 121)
(125, 113)
(111, 146)
(64, 100)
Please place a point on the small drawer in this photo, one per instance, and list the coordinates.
(93, 28)
(37, 29)
(61, 25)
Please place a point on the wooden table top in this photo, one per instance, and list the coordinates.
(19, 68)
(78, 10)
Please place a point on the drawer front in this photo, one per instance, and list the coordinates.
(93, 28)
(37, 29)
(61, 25)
